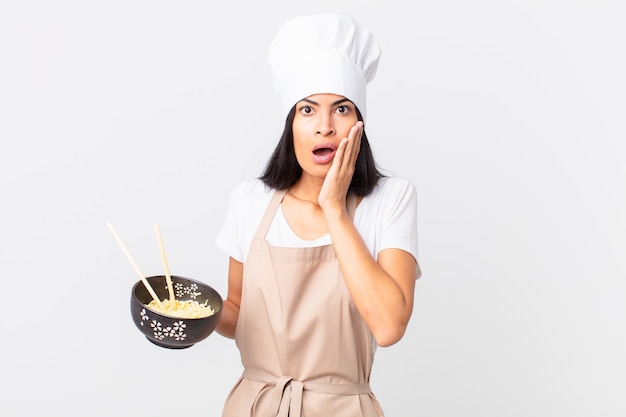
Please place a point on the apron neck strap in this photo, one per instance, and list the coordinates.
(351, 204)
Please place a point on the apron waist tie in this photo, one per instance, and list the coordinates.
(286, 392)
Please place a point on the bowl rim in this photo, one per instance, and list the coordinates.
(215, 310)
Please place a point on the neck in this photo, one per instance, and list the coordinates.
(307, 189)
(303, 196)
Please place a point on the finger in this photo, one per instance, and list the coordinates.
(356, 130)
(354, 146)
(347, 151)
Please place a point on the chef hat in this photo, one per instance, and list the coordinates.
(320, 54)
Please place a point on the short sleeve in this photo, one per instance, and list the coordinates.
(246, 206)
(398, 216)
(227, 238)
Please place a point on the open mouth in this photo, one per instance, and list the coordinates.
(324, 153)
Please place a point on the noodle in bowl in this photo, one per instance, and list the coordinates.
(188, 319)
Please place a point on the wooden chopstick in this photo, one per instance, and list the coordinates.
(141, 276)
(167, 269)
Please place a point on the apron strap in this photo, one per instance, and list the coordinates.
(351, 204)
(266, 221)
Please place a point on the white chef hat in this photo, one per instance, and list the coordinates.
(323, 53)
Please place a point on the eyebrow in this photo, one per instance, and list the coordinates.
(308, 100)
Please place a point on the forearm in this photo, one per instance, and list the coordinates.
(384, 298)
(228, 320)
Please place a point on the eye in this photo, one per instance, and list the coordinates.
(306, 109)
(343, 109)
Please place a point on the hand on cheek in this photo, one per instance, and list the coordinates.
(339, 176)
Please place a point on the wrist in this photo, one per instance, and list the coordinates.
(335, 213)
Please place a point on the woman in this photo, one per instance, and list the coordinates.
(323, 248)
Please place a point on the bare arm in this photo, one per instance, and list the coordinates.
(382, 290)
(230, 310)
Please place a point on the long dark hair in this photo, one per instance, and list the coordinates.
(282, 170)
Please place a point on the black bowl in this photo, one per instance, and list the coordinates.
(174, 332)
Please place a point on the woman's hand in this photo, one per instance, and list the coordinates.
(332, 197)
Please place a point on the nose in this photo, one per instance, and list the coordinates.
(325, 125)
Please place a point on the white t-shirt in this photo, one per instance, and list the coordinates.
(386, 218)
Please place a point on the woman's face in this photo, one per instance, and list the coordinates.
(320, 122)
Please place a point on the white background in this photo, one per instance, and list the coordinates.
(509, 116)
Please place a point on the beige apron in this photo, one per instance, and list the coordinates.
(306, 351)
